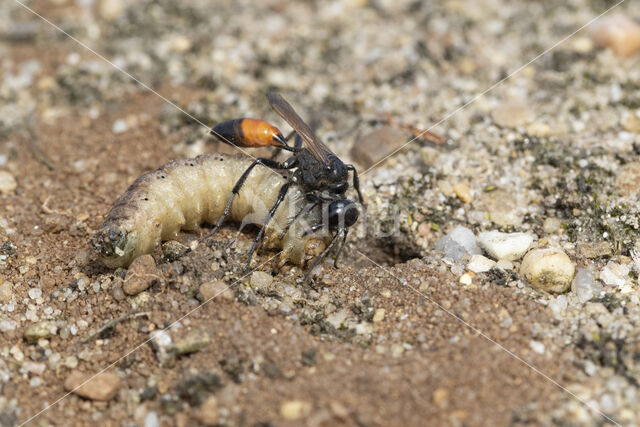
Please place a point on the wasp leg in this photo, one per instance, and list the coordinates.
(297, 143)
(281, 196)
(314, 201)
(339, 251)
(322, 256)
(236, 188)
(356, 182)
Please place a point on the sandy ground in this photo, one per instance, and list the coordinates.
(409, 342)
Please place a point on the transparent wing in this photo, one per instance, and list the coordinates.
(286, 111)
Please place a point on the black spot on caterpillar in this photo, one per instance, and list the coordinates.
(185, 193)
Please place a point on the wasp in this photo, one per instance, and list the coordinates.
(319, 173)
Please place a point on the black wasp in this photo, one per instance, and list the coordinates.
(321, 175)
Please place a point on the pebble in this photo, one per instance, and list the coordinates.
(463, 192)
(7, 182)
(103, 387)
(631, 123)
(208, 413)
(615, 274)
(379, 315)
(6, 292)
(628, 179)
(119, 126)
(457, 243)
(193, 342)
(142, 273)
(506, 246)
(595, 250)
(37, 331)
(424, 229)
(512, 115)
(261, 280)
(480, 264)
(619, 33)
(537, 346)
(548, 269)
(172, 250)
(375, 145)
(467, 278)
(292, 410)
(585, 286)
(217, 289)
(551, 225)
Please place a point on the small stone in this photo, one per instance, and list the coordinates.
(551, 225)
(111, 9)
(119, 126)
(548, 269)
(537, 346)
(506, 246)
(440, 397)
(463, 192)
(142, 273)
(424, 229)
(71, 362)
(6, 292)
(37, 331)
(512, 115)
(172, 250)
(539, 130)
(7, 183)
(295, 409)
(216, 289)
(102, 387)
(628, 179)
(457, 243)
(504, 265)
(7, 248)
(595, 250)
(379, 315)
(480, 264)
(445, 188)
(631, 123)
(467, 278)
(615, 274)
(180, 44)
(208, 413)
(261, 280)
(374, 146)
(619, 33)
(193, 342)
(35, 293)
(585, 286)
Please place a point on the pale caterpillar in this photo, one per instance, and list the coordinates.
(185, 193)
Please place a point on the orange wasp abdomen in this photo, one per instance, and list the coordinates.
(249, 133)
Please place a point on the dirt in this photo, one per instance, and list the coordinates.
(441, 353)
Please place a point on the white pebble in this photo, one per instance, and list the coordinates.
(537, 346)
(507, 246)
(585, 285)
(119, 126)
(7, 182)
(35, 293)
(457, 243)
(615, 274)
(480, 264)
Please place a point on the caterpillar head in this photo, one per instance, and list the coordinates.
(115, 247)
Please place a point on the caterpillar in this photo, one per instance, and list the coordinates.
(185, 193)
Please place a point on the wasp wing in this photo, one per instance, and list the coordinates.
(286, 111)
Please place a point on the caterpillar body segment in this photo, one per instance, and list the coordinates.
(185, 193)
